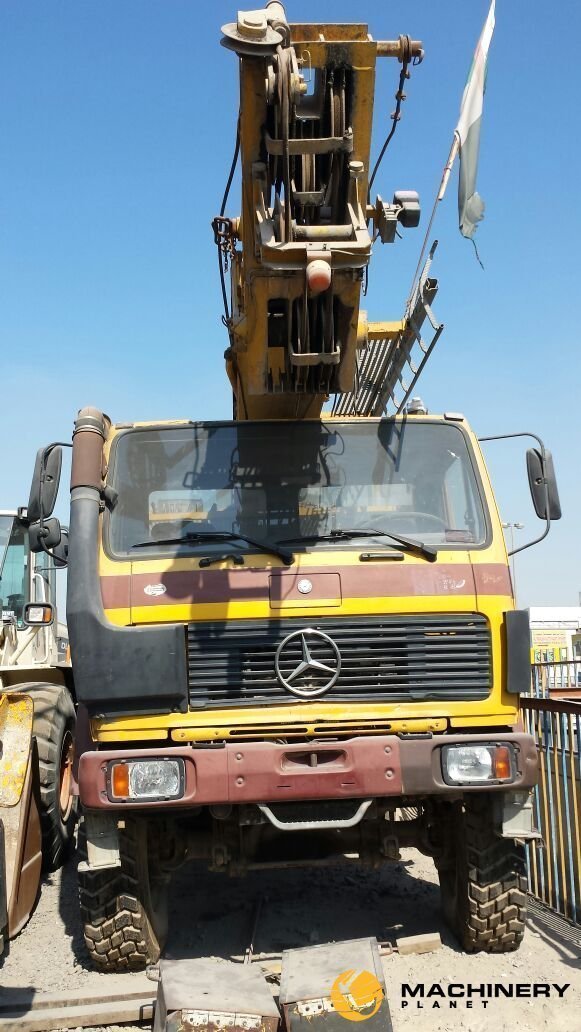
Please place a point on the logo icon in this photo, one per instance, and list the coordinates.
(307, 663)
(356, 995)
(155, 589)
(305, 586)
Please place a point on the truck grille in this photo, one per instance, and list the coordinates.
(382, 658)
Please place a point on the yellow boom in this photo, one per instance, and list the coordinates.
(299, 251)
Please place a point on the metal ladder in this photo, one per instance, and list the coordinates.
(389, 366)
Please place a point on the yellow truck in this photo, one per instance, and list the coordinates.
(294, 632)
(332, 647)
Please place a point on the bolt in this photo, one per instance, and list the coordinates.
(388, 749)
(389, 773)
(239, 781)
(238, 755)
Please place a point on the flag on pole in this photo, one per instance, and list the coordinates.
(470, 204)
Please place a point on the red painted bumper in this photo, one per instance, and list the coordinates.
(261, 772)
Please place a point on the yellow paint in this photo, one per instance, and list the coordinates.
(502, 719)
(303, 719)
(119, 617)
(385, 330)
(16, 712)
(254, 609)
(309, 730)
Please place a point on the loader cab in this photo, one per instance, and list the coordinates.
(24, 578)
(15, 569)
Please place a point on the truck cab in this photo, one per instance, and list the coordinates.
(296, 632)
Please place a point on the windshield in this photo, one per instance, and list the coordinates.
(13, 568)
(278, 481)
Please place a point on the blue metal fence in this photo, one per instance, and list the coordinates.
(554, 863)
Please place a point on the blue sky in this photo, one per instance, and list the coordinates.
(117, 126)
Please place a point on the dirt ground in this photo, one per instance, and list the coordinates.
(212, 915)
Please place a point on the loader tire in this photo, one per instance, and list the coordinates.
(483, 881)
(54, 730)
(124, 909)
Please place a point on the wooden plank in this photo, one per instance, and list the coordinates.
(418, 943)
(83, 1016)
(111, 988)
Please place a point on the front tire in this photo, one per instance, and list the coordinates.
(54, 730)
(482, 880)
(124, 909)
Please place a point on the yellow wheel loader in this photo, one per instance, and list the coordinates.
(37, 724)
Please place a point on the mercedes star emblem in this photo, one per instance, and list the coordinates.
(307, 663)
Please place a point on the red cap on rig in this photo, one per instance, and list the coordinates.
(318, 276)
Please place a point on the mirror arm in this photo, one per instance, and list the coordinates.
(48, 551)
(548, 517)
(524, 433)
(535, 541)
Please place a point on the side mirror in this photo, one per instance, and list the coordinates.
(45, 482)
(543, 484)
(45, 535)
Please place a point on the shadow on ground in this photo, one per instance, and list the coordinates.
(214, 915)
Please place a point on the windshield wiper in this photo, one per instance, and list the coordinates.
(427, 551)
(220, 535)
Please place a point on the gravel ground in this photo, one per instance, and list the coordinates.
(212, 915)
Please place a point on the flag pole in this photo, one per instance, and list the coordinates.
(439, 196)
(448, 166)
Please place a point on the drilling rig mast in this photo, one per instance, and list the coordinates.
(299, 252)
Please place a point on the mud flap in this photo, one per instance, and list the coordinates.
(21, 847)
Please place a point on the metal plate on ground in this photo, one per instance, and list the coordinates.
(323, 987)
(210, 994)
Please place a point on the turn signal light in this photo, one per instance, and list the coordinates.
(502, 764)
(120, 780)
(38, 614)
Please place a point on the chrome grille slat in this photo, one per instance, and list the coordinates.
(382, 658)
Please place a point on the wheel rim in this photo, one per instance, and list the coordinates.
(66, 776)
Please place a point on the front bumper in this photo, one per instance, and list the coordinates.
(266, 772)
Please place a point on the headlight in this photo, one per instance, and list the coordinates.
(476, 764)
(146, 779)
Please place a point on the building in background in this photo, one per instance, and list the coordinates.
(556, 639)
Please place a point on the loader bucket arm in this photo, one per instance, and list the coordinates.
(20, 839)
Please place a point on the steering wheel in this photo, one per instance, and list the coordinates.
(388, 518)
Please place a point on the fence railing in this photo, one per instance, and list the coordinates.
(554, 862)
(562, 676)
